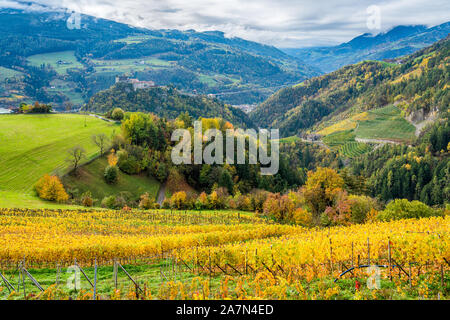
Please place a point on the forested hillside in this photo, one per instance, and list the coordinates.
(417, 84)
(38, 44)
(417, 173)
(165, 102)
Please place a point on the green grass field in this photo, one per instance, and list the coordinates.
(91, 179)
(67, 57)
(68, 89)
(386, 123)
(33, 145)
(29, 200)
(6, 73)
(209, 80)
(134, 39)
(129, 65)
(290, 139)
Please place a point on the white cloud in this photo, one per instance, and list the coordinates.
(284, 23)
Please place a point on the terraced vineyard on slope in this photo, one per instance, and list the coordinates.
(354, 149)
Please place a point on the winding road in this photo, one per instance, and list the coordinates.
(161, 193)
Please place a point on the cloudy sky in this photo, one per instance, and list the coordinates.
(283, 23)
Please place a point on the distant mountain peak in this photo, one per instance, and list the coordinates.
(397, 41)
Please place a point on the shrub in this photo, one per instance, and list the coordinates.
(243, 203)
(257, 200)
(117, 114)
(218, 199)
(360, 207)
(130, 165)
(302, 217)
(325, 219)
(179, 200)
(279, 207)
(50, 188)
(339, 212)
(146, 202)
(86, 199)
(232, 202)
(190, 201)
(161, 173)
(111, 174)
(123, 199)
(109, 202)
(112, 158)
(372, 216)
(404, 209)
(166, 204)
(202, 201)
(320, 189)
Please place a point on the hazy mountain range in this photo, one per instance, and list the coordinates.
(399, 41)
(43, 58)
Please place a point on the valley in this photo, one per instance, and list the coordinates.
(197, 63)
(95, 203)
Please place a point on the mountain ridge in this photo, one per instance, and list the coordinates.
(415, 82)
(165, 102)
(398, 41)
(203, 62)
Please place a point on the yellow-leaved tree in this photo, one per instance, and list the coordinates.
(321, 189)
(50, 188)
(179, 200)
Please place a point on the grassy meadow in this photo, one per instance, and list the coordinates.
(67, 88)
(33, 145)
(91, 179)
(128, 65)
(6, 73)
(67, 57)
(386, 123)
(29, 200)
(134, 39)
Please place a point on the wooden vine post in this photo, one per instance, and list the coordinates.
(410, 275)
(210, 265)
(331, 257)
(95, 280)
(75, 272)
(58, 270)
(256, 260)
(352, 256)
(389, 258)
(245, 262)
(115, 273)
(21, 274)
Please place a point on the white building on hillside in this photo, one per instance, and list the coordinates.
(137, 84)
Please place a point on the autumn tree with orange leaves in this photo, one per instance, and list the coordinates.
(50, 188)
